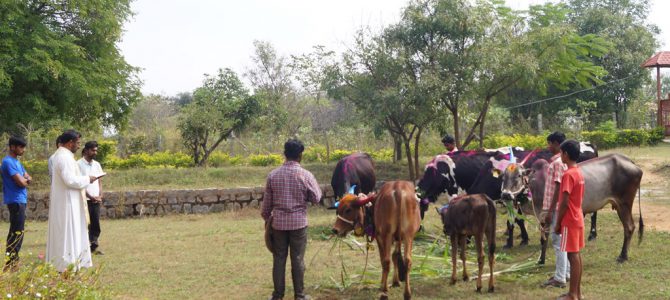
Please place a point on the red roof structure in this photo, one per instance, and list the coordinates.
(660, 59)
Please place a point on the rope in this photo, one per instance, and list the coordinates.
(573, 93)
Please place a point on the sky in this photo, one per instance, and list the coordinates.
(176, 42)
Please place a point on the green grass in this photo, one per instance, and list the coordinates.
(223, 256)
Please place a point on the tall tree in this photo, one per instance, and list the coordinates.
(271, 77)
(59, 60)
(220, 106)
(376, 78)
(469, 53)
(624, 24)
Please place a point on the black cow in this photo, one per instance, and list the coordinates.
(354, 169)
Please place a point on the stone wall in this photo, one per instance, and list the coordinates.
(159, 203)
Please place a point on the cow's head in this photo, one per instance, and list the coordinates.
(514, 181)
(351, 214)
(439, 177)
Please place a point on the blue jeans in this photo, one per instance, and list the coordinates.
(562, 264)
(17, 221)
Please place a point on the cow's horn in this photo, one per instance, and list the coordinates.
(366, 200)
(352, 189)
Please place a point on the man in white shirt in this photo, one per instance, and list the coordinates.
(90, 167)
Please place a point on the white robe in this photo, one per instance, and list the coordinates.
(67, 242)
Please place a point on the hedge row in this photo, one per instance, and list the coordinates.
(603, 139)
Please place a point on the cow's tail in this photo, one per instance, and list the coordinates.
(639, 205)
(400, 262)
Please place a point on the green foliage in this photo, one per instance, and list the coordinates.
(156, 160)
(339, 154)
(106, 149)
(315, 154)
(526, 141)
(59, 61)
(382, 155)
(219, 108)
(602, 139)
(38, 280)
(656, 135)
(265, 160)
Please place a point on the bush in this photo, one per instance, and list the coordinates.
(106, 149)
(632, 137)
(314, 154)
(656, 135)
(382, 155)
(602, 139)
(218, 159)
(339, 154)
(265, 160)
(38, 280)
(526, 141)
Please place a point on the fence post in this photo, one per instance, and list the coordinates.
(539, 123)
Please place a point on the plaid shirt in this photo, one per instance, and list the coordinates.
(287, 191)
(555, 173)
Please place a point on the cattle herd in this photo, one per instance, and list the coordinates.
(473, 181)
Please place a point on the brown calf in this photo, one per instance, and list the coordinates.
(395, 220)
(471, 215)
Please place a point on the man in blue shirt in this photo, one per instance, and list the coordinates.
(15, 179)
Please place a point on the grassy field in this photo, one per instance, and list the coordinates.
(221, 256)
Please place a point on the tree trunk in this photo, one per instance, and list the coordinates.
(410, 164)
(416, 152)
(325, 134)
(481, 127)
(457, 132)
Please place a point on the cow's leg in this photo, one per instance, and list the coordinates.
(491, 239)
(510, 235)
(479, 244)
(624, 210)
(522, 227)
(461, 244)
(396, 257)
(408, 265)
(385, 243)
(593, 234)
(454, 255)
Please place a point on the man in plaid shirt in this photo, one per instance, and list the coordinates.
(549, 205)
(287, 192)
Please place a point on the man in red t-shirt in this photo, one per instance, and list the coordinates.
(570, 220)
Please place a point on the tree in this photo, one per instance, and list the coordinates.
(221, 106)
(271, 78)
(376, 78)
(58, 57)
(468, 54)
(624, 24)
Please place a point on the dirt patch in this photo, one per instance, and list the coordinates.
(656, 216)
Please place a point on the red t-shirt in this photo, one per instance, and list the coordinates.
(573, 183)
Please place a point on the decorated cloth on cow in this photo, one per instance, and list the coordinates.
(554, 174)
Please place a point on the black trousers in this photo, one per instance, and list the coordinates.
(94, 226)
(17, 221)
(296, 241)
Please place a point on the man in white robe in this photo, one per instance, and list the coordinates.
(67, 243)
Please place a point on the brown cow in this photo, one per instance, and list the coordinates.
(395, 220)
(471, 215)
